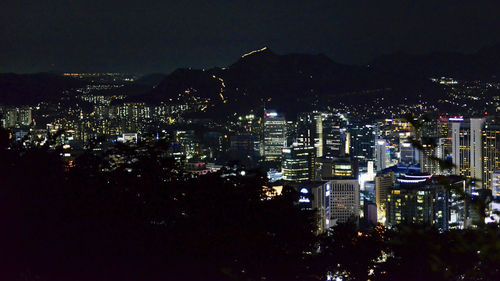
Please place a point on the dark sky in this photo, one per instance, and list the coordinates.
(159, 36)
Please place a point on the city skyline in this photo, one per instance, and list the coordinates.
(319, 140)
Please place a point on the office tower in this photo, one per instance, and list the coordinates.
(24, 116)
(297, 163)
(443, 127)
(344, 168)
(336, 167)
(444, 134)
(409, 203)
(273, 136)
(383, 185)
(334, 137)
(368, 175)
(310, 131)
(407, 153)
(362, 142)
(443, 148)
(467, 149)
(419, 199)
(490, 152)
(428, 165)
(382, 154)
(344, 201)
(476, 163)
(495, 185)
(461, 148)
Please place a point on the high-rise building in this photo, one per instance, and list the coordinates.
(428, 165)
(383, 186)
(382, 154)
(335, 137)
(362, 142)
(407, 153)
(344, 201)
(495, 185)
(476, 163)
(297, 163)
(461, 148)
(310, 131)
(273, 136)
(336, 167)
(409, 204)
(417, 199)
(468, 148)
(490, 152)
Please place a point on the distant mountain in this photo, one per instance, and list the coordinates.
(151, 79)
(290, 83)
(28, 89)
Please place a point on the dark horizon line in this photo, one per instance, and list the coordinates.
(398, 52)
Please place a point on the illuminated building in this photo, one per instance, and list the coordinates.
(382, 154)
(362, 144)
(128, 138)
(297, 163)
(409, 205)
(336, 141)
(16, 116)
(490, 153)
(344, 201)
(461, 148)
(310, 131)
(273, 136)
(495, 185)
(343, 168)
(476, 164)
(467, 148)
(369, 175)
(336, 167)
(427, 164)
(383, 185)
(407, 153)
(415, 199)
(274, 176)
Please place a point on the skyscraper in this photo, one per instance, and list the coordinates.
(273, 136)
(461, 148)
(297, 163)
(344, 201)
(490, 152)
(468, 148)
(382, 154)
(310, 131)
(383, 185)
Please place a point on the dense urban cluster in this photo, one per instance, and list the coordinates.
(359, 166)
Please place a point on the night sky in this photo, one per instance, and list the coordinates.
(159, 36)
